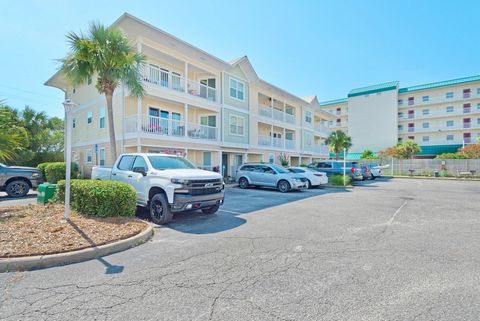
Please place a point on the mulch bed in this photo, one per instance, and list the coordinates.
(39, 230)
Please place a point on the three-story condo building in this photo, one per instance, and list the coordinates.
(441, 116)
(218, 114)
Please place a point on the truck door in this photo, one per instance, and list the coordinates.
(138, 181)
(122, 171)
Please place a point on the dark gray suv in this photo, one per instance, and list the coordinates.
(269, 175)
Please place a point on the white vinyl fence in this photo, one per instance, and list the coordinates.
(433, 167)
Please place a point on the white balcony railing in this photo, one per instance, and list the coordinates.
(170, 127)
(277, 142)
(289, 144)
(270, 112)
(321, 128)
(171, 80)
(264, 140)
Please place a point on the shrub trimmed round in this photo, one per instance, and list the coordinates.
(99, 198)
(55, 172)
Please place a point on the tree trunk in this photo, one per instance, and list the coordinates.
(111, 129)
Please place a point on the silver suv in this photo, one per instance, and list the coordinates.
(269, 175)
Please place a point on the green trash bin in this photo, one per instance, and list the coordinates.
(45, 192)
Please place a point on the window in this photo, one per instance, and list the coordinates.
(339, 122)
(449, 109)
(400, 115)
(467, 137)
(102, 156)
(74, 123)
(237, 89)
(425, 125)
(247, 168)
(89, 117)
(207, 159)
(308, 116)
(478, 121)
(466, 93)
(466, 123)
(140, 162)
(400, 139)
(450, 137)
(411, 114)
(466, 108)
(478, 106)
(425, 138)
(237, 125)
(478, 91)
(400, 102)
(296, 170)
(426, 112)
(411, 137)
(400, 127)
(339, 111)
(411, 127)
(425, 98)
(208, 121)
(125, 162)
(102, 117)
(411, 101)
(88, 156)
(449, 95)
(450, 123)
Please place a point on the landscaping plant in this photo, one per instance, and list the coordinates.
(337, 180)
(99, 198)
(54, 172)
(338, 141)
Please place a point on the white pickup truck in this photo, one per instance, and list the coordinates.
(166, 184)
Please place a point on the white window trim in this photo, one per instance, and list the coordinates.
(100, 155)
(86, 156)
(230, 125)
(89, 113)
(311, 117)
(100, 118)
(236, 89)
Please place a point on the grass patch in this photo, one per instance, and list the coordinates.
(337, 180)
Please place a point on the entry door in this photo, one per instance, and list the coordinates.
(225, 165)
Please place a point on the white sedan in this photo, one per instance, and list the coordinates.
(315, 178)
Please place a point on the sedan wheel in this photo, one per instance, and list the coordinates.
(283, 186)
(243, 183)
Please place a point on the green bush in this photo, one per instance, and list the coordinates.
(337, 180)
(56, 171)
(99, 198)
(42, 167)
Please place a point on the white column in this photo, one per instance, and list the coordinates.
(271, 135)
(186, 77)
(284, 109)
(271, 106)
(283, 140)
(245, 158)
(220, 165)
(185, 110)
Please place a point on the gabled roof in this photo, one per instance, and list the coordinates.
(440, 84)
(310, 99)
(333, 102)
(246, 66)
(393, 85)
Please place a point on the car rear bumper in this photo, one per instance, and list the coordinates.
(185, 202)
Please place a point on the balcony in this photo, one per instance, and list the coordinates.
(169, 127)
(270, 112)
(264, 140)
(165, 79)
(467, 125)
(321, 128)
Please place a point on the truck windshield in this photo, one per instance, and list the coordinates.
(169, 162)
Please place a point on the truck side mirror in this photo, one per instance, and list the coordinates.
(140, 170)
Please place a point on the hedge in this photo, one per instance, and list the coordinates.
(53, 172)
(99, 198)
(337, 180)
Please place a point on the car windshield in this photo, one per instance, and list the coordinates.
(169, 162)
(280, 169)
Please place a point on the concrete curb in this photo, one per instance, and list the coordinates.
(438, 178)
(26, 263)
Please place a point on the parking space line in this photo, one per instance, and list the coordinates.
(390, 221)
(231, 212)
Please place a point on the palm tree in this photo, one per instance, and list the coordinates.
(106, 54)
(13, 138)
(338, 141)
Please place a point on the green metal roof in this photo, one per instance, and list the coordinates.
(440, 84)
(438, 149)
(393, 85)
(333, 102)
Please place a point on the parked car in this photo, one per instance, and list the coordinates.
(332, 167)
(269, 175)
(314, 177)
(371, 170)
(18, 180)
(166, 184)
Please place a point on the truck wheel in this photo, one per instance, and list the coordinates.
(211, 210)
(17, 188)
(283, 186)
(160, 212)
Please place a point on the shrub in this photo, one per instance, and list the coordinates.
(337, 180)
(99, 198)
(56, 171)
(42, 167)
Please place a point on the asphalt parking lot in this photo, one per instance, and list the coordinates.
(387, 250)
(30, 198)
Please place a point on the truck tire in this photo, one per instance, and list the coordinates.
(17, 188)
(211, 210)
(159, 209)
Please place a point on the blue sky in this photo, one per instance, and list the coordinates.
(324, 48)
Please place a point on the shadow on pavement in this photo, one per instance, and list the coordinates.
(5, 197)
(237, 202)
